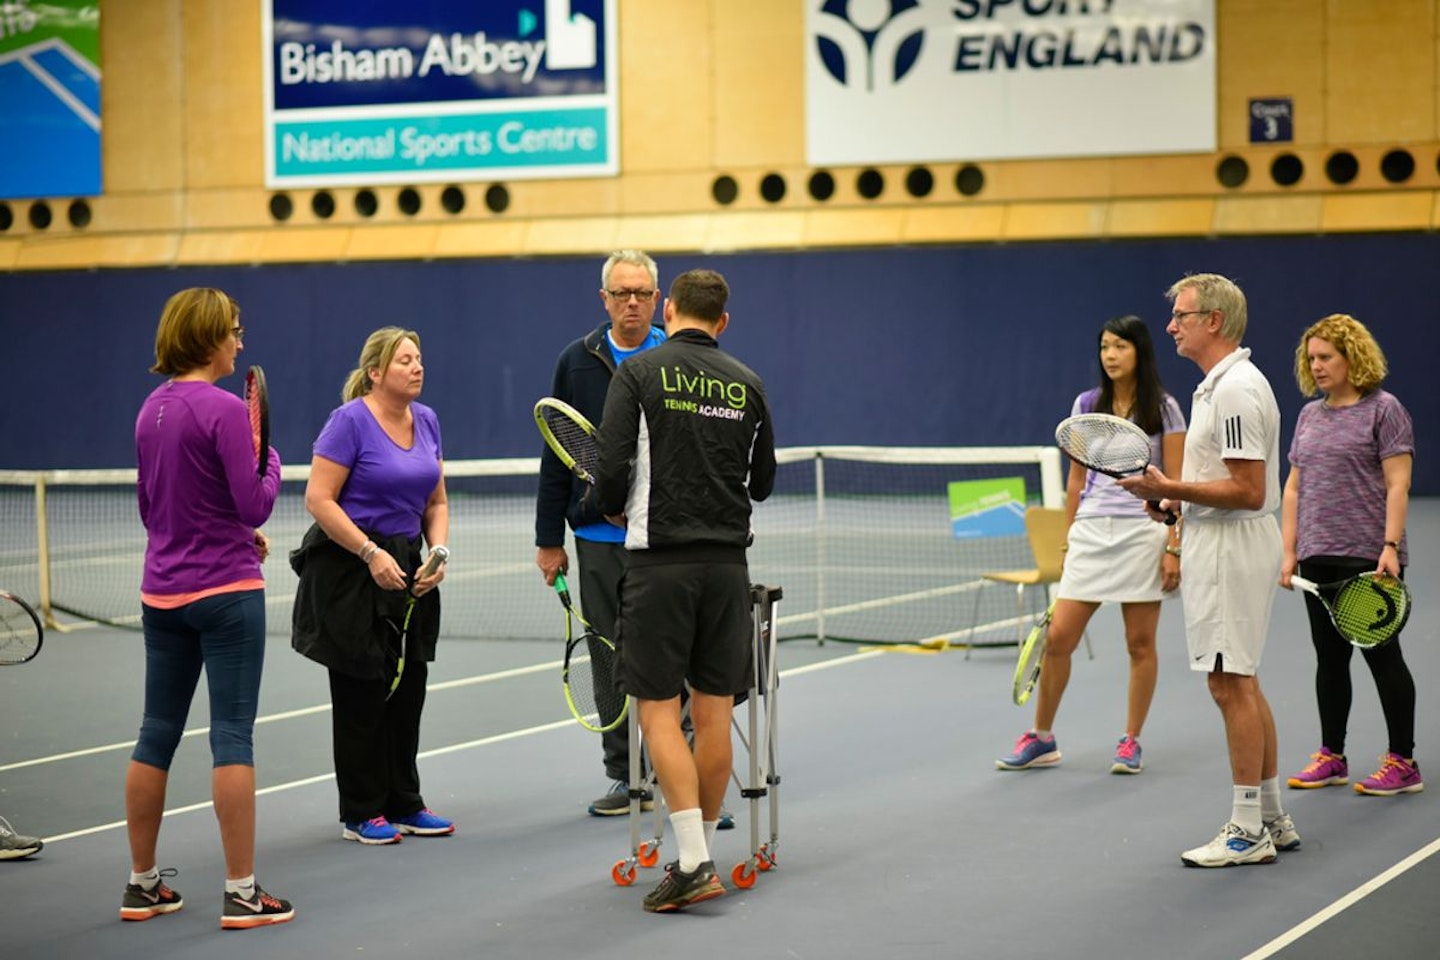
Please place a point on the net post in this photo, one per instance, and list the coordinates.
(1052, 481)
(42, 541)
(820, 547)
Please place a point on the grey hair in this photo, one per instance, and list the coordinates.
(638, 258)
(1214, 292)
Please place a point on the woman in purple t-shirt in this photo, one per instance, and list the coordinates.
(1343, 513)
(203, 598)
(376, 490)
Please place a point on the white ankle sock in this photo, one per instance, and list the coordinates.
(245, 886)
(690, 838)
(1270, 806)
(147, 879)
(1246, 811)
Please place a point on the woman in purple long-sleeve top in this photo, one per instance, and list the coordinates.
(203, 597)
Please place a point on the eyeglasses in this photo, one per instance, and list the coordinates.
(238, 331)
(624, 295)
(1182, 314)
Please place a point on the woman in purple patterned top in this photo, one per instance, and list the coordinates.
(377, 491)
(1344, 513)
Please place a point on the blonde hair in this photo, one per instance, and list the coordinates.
(1353, 342)
(377, 353)
(1214, 292)
(193, 325)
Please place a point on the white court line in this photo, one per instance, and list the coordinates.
(1344, 903)
(438, 751)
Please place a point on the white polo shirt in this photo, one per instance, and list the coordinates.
(1233, 416)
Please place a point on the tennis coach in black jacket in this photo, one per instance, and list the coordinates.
(686, 443)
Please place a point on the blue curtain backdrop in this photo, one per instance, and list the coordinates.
(929, 346)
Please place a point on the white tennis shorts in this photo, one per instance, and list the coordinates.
(1229, 574)
(1113, 559)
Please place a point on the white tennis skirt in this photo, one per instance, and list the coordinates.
(1114, 559)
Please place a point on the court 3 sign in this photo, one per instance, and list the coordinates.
(896, 81)
(385, 91)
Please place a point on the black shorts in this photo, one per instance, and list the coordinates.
(683, 622)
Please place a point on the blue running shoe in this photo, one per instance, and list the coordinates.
(726, 820)
(1127, 756)
(1031, 751)
(424, 823)
(372, 832)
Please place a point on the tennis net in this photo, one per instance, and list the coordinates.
(871, 544)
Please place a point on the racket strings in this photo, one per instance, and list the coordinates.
(1372, 610)
(1104, 445)
(574, 439)
(592, 681)
(18, 634)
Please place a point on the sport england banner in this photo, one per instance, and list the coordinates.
(909, 81)
(385, 91)
(49, 98)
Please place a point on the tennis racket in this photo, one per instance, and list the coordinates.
(257, 401)
(570, 435)
(21, 634)
(401, 643)
(589, 671)
(1107, 444)
(1032, 651)
(1368, 609)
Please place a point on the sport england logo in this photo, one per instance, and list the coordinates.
(879, 39)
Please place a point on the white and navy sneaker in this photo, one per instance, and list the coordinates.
(1282, 831)
(1233, 847)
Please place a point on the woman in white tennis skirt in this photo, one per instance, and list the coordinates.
(1114, 552)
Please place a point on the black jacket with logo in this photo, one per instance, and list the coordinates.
(685, 445)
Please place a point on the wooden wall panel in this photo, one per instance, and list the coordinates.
(141, 90)
(1268, 215)
(1380, 71)
(223, 105)
(666, 113)
(1270, 48)
(759, 83)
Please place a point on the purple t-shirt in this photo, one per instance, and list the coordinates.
(388, 485)
(200, 496)
(1341, 507)
(1102, 496)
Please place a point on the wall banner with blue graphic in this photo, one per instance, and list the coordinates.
(911, 81)
(49, 98)
(405, 91)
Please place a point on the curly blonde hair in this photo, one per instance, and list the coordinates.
(1353, 342)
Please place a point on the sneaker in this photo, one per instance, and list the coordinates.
(13, 846)
(1326, 769)
(424, 823)
(726, 820)
(1127, 756)
(1396, 775)
(1232, 847)
(142, 904)
(617, 801)
(1283, 833)
(374, 832)
(259, 910)
(679, 890)
(1031, 751)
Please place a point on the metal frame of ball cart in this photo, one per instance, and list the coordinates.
(761, 786)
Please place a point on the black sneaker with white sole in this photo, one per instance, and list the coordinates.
(680, 890)
(140, 903)
(259, 910)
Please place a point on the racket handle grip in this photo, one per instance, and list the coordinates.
(438, 556)
(1170, 515)
(1309, 586)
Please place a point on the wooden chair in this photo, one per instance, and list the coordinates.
(1045, 529)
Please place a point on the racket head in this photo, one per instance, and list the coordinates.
(1032, 651)
(257, 401)
(570, 435)
(1107, 444)
(590, 690)
(21, 633)
(1371, 609)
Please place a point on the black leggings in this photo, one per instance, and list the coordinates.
(1332, 666)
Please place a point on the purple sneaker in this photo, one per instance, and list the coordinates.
(425, 823)
(1326, 769)
(1127, 756)
(1396, 775)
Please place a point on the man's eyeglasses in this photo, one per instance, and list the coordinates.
(1182, 314)
(238, 331)
(624, 295)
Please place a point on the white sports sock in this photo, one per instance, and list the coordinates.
(1270, 806)
(710, 827)
(690, 838)
(1246, 811)
(147, 879)
(1045, 735)
(245, 886)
